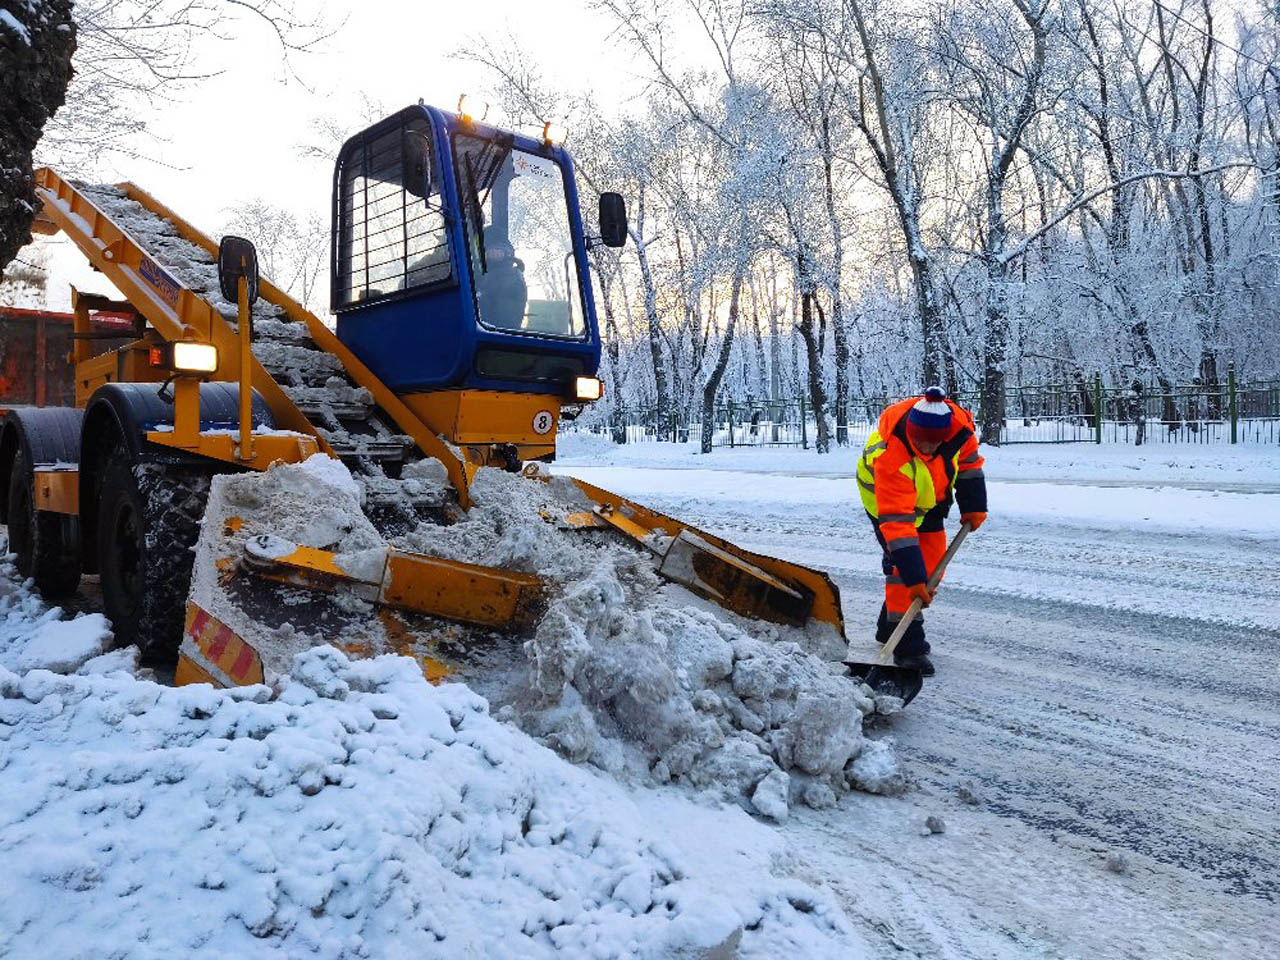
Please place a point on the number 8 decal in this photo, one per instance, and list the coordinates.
(543, 422)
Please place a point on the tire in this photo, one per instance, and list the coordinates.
(37, 537)
(148, 522)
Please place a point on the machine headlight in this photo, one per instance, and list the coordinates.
(587, 388)
(195, 357)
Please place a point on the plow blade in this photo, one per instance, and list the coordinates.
(733, 582)
(464, 592)
(273, 598)
(746, 583)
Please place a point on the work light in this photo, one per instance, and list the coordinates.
(588, 388)
(471, 110)
(553, 134)
(185, 357)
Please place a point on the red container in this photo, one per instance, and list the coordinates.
(35, 354)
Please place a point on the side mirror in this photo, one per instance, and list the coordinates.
(613, 219)
(415, 150)
(237, 258)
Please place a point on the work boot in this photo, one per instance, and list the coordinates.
(916, 661)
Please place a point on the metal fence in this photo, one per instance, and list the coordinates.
(1079, 411)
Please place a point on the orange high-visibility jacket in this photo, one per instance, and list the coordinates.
(899, 486)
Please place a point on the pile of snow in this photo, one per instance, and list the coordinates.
(507, 526)
(625, 672)
(637, 678)
(641, 678)
(360, 812)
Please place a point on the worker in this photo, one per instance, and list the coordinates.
(922, 450)
(500, 286)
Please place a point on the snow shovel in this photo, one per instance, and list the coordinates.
(885, 677)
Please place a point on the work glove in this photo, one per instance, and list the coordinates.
(974, 520)
(920, 591)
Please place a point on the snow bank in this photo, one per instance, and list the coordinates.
(361, 813)
(1198, 465)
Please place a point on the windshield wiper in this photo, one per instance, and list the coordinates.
(496, 152)
(489, 159)
(477, 221)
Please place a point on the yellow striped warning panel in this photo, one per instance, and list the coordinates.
(212, 652)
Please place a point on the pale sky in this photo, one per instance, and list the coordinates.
(234, 137)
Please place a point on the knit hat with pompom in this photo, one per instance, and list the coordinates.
(930, 419)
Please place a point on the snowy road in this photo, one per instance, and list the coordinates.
(1107, 690)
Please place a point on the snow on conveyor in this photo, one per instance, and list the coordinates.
(360, 812)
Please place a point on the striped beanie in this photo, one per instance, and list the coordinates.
(929, 421)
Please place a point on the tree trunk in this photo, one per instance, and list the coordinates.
(930, 319)
(994, 350)
(35, 67)
(762, 364)
(817, 396)
(722, 362)
(775, 339)
(842, 370)
(662, 395)
(839, 333)
(617, 426)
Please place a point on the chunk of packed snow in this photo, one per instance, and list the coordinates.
(770, 795)
(367, 565)
(331, 473)
(267, 546)
(122, 659)
(876, 769)
(64, 646)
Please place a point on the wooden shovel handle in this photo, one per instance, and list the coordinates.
(913, 611)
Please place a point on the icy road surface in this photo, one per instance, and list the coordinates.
(1102, 740)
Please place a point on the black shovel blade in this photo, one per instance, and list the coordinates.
(889, 680)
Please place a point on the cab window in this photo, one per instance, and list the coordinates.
(390, 225)
(519, 240)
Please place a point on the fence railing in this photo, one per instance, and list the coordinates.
(1081, 411)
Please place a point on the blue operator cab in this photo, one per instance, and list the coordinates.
(459, 260)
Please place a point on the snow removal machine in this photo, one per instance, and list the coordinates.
(465, 333)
